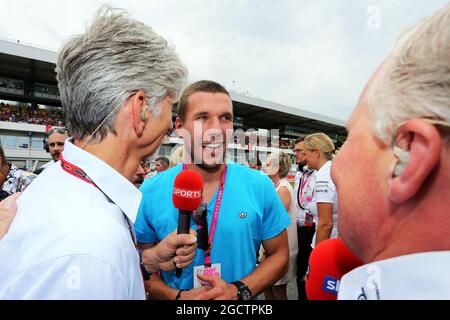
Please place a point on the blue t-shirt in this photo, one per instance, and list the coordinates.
(251, 211)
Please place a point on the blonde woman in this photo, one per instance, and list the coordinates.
(318, 153)
(177, 156)
(277, 168)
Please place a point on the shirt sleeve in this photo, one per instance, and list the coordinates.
(145, 232)
(324, 191)
(69, 278)
(275, 219)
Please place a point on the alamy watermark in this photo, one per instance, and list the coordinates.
(215, 146)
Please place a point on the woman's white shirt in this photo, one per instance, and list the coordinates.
(324, 191)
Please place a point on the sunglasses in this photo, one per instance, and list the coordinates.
(200, 219)
(58, 130)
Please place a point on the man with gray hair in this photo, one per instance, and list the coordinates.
(118, 82)
(162, 164)
(394, 198)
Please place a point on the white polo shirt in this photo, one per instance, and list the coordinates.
(421, 276)
(69, 240)
(324, 191)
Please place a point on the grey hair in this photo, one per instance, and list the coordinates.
(97, 71)
(282, 161)
(415, 81)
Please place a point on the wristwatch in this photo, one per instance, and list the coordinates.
(244, 292)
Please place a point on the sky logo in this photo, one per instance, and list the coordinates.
(330, 285)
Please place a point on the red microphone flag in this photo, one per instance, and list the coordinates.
(329, 262)
(187, 190)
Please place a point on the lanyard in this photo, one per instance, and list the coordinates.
(303, 181)
(215, 217)
(80, 174)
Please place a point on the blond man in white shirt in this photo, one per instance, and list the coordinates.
(392, 173)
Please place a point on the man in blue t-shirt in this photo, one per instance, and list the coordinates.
(243, 209)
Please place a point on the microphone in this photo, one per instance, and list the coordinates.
(329, 262)
(186, 197)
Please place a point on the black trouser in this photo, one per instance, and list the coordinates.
(305, 236)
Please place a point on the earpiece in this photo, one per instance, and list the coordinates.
(403, 159)
(144, 114)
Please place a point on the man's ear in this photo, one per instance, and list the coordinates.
(423, 143)
(139, 109)
(179, 127)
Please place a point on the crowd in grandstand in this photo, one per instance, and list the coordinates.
(12, 113)
(24, 114)
(287, 144)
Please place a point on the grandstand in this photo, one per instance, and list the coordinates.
(30, 105)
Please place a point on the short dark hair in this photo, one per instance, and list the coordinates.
(199, 86)
(163, 159)
(299, 140)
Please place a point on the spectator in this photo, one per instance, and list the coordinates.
(318, 153)
(177, 156)
(394, 198)
(305, 220)
(30, 115)
(145, 167)
(162, 164)
(277, 168)
(247, 209)
(254, 163)
(138, 176)
(12, 179)
(56, 138)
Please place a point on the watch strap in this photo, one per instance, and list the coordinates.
(244, 292)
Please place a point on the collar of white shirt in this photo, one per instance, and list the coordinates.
(326, 167)
(115, 186)
(48, 164)
(415, 276)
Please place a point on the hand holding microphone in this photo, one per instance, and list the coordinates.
(174, 250)
(178, 248)
(186, 197)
